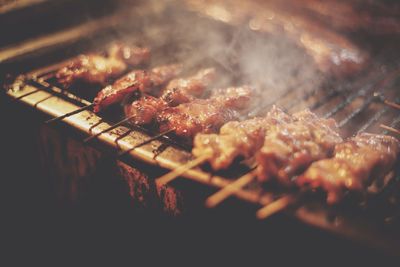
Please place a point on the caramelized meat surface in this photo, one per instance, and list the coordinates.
(145, 109)
(236, 138)
(289, 148)
(357, 162)
(137, 80)
(131, 55)
(184, 90)
(178, 91)
(206, 115)
(92, 68)
(98, 69)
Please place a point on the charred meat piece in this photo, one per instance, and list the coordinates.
(289, 148)
(131, 55)
(357, 162)
(236, 138)
(235, 97)
(98, 69)
(137, 80)
(200, 115)
(206, 115)
(184, 90)
(178, 91)
(145, 109)
(92, 69)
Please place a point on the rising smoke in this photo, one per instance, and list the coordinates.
(273, 64)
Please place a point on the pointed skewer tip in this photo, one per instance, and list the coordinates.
(215, 199)
(274, 207)
(172, 175)
(391, 129)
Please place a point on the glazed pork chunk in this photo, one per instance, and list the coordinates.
(99, 69)
(137, 80)
(289, 148)
(207, 115)
(357, 162)
(178, 91)
(237, 138)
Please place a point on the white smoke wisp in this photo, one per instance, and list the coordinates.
(272, 63)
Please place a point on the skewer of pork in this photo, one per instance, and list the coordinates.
(287, 144)
(290, 148)
(143, 110)
(99, 69)
(137, 80)
(201, 115)
(207, 115)
(357, 163)
(178, 91)
(274, 137)
(237, 138)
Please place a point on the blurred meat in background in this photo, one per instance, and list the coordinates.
(327, 30)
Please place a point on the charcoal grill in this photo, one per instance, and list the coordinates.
(365, 102)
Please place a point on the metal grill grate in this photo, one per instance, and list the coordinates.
(371, 90)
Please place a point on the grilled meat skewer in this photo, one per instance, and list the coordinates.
(178, 91)
(131, 55)
(92, 69)
(275, 139)
(290, 148)
(137, 80)
(237, 138)
(357, 162)
(98, 69)
(144, 110)
(292, 143)
(207, 115)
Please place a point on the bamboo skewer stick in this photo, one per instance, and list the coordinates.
(228, 190)
(389, 128)
(274, 207)
(392, 104)
(182, 169)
